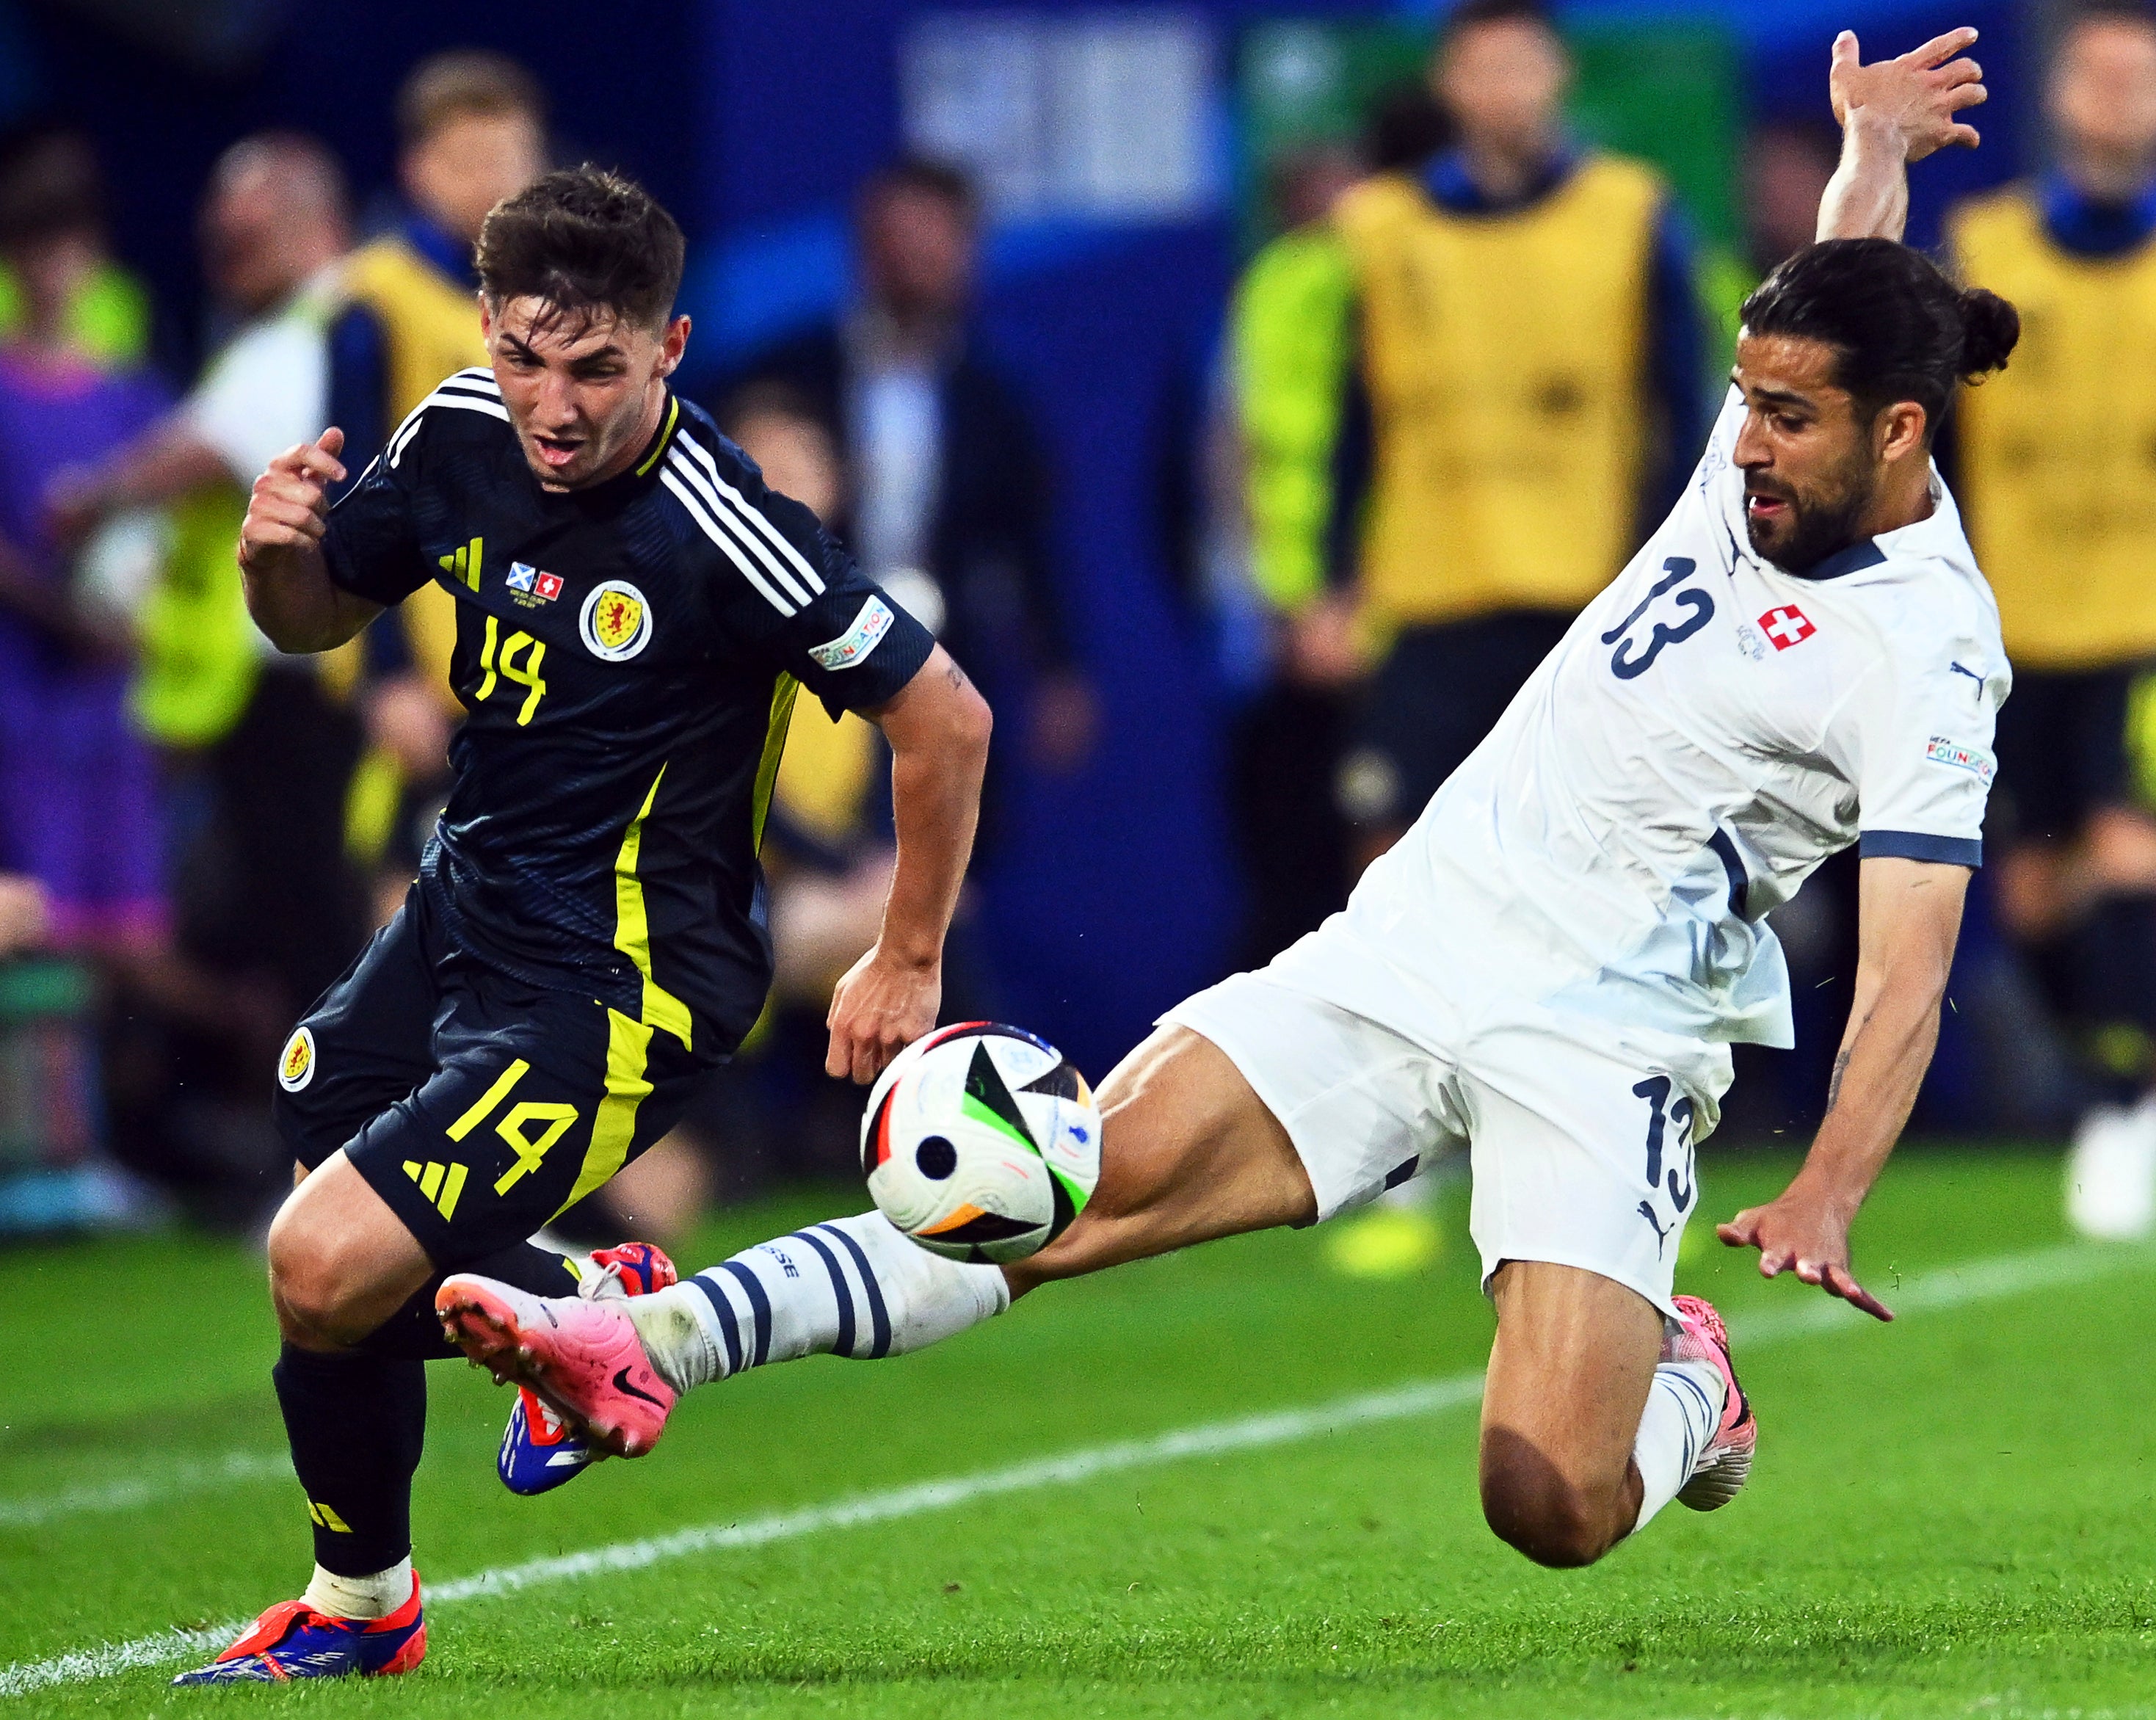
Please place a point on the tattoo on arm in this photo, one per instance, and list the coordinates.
(1834, 1082)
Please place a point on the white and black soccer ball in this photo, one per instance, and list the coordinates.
(980, 1143)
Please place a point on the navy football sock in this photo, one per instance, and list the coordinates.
(357, 1424)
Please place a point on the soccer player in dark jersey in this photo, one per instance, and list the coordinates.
(637, 613)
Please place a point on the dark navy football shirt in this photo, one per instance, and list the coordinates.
(628, 656)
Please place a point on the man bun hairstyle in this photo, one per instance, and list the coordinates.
(1902, 330)
(589, 244)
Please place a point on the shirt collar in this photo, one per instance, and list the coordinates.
(1864, 553)
(1934, 535)
(2089, 227)
(670, 421)
(1454, 190)
(874, 344)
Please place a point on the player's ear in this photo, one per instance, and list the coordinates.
(672, 345)
(1900, 430)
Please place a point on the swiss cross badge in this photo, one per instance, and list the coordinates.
(1786, 626)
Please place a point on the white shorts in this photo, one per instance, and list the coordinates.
(1581, 1136)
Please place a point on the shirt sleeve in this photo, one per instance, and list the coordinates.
(800, 600)
(371, 548)
(266, 390)
(1916, 739)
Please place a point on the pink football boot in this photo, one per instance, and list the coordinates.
(582, 1358)
(1722, 1468)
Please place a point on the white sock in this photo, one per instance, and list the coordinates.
(1684, 1408)
(374, 1597)
(854, 1287)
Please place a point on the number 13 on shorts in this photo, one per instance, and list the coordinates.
(1669, 1139)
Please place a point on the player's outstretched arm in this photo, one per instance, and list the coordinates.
(1894, 112)
(290, 592)
(939, 730)
(1908, 917)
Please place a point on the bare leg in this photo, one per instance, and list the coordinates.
(1569, 1374)
(1188, 1154)
(340, 1262)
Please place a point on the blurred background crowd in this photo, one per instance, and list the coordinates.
(1247, 395)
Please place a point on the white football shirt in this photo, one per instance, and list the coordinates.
(1707, 732)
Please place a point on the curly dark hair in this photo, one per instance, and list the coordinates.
(589, 244)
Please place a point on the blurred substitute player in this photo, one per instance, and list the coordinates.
(471, 129)
(585, 941)
(1551, 964)
(2056, 463)
(1525, 391)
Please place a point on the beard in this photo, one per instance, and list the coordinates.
(1814, 526)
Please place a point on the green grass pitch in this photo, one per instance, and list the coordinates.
(1950, 1517)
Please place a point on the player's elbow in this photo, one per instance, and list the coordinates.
(970, 724)
(953, 732)
(285, 632)
(1912, 981)
(292, 642)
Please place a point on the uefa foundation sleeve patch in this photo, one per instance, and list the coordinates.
(1972, 759)
(854, 645)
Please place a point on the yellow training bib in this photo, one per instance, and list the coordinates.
(1507, 363)
(2058, 465)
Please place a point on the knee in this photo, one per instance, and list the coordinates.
(310, 1284)
(1530, 1504)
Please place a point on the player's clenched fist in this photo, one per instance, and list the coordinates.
(290, 505)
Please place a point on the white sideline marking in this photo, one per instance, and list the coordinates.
(143, 1490)
(87, 1663)
(1948, 1288)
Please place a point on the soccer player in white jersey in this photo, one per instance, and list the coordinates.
(1551, 965)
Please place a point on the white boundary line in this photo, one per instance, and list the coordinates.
(1949, 1287)
(199, 1477)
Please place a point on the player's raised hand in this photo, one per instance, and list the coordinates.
(1919, 94)
(289, 507)
(882, 1005)
(1802, 1234)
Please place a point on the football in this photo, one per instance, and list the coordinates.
(980, 1143)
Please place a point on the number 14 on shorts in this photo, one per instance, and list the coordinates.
(552, 1119)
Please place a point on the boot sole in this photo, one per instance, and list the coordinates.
(490, 1337)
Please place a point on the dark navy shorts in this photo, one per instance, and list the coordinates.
(477, 1106)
